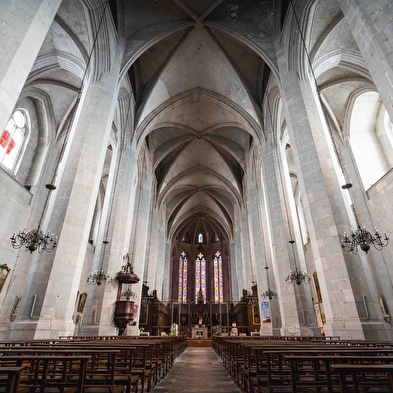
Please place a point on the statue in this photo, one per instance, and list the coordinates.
(174, 329)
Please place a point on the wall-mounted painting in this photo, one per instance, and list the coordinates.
(4, 270)
(266, 312)
(82, 302)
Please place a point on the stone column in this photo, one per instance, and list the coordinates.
(371, 23)
(141, 214)
(167, 268)
(320, 189)
(152, 254)
(289, 302)
(23, 28)
(54, 277)
(161, 274)
(237, 268)
(246, 250)
(258, 234)
(101, 299)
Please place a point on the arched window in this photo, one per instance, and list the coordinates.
(182, 298)
(13, 140)
(200, 237)
(200, 276)
(218, 288)
(186, 238)
(214, 238)
(370, 139)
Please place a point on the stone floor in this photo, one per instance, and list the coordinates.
(197, 370)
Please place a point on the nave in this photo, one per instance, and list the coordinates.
(197, 370)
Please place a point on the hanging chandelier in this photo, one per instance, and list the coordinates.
(37, 239)
(34, 240)
(296, 276)
(269, 293)
(362, 237)
(99, 276)
(128, 294)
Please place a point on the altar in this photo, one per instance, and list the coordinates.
(199, 332)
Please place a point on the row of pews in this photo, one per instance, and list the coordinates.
(87, 364)
(306, 364)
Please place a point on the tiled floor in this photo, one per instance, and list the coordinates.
(197, 370)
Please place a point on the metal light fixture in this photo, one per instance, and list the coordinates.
(359, 236)
(362, 237)
(100, 276)
(128, 294)
(269, 293)
(37, 239)
(296, 276)
(34, 240)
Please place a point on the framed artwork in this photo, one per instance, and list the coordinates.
(266, 312)
(82, 302)
(4, 270)
(143, 315)
(256, 317)
(317, 288)
(135, 316)
(318, 314)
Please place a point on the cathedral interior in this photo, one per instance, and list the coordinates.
(221, 164)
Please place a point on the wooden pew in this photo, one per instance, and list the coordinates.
(9, 379)
(261, 371)
(105, 369)
(314, 372)
(364, 376)
(42, 372)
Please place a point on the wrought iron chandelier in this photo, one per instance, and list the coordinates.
(34, 240)
(269, 293)
(296, 276)
(37, 239)
(100, 276)
(359, 236)
(362, 237)
(128, 294)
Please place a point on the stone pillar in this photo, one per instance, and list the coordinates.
(55, 277)
(260, 241)
(161, 273)
(246, 251)
(167, 269)
(23, 28)
(100, 299)
(255, 229)
(371, 23)
(313, 160)
(289, 302)
(141, 214)
(152, 254)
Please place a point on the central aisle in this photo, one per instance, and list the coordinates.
(197, 370)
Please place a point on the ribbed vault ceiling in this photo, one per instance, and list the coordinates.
(199, 71)
(198, 92)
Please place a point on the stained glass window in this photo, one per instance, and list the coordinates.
(200, 276)
(182, 297)
(218, 287)
(200, 238)
(11, 140)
